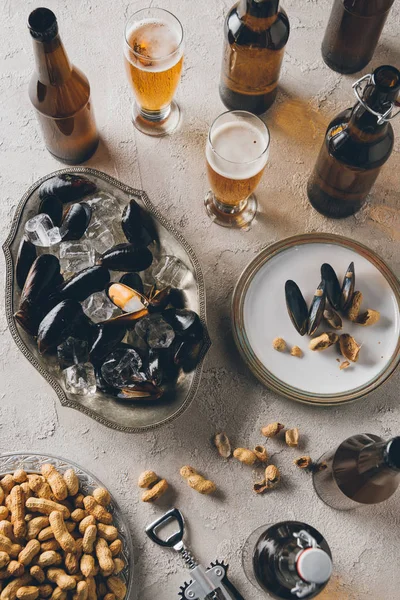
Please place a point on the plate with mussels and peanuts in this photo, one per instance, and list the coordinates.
(316, 317)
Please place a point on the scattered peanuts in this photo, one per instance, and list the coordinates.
(246, 456)
(197, 481)
(272, 429)
(370, 317)
(279, 344)
(272, 476)
(68, 548)
(223, 445)
(292, 437)
(303, 462)
(147, 479)
(261, 453)
(155, 492)
(296, 351)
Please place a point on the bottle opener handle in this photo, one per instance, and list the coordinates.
(172, 515)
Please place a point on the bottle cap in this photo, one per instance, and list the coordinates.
(314, 565)
(42, 23)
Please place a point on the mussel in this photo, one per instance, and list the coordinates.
(296, 306)
(159, 300)
(188, 354)
(133, 225)
(128, 320)
(52, 206)
(348, 287)
(140, 392)
(67, 187)
(107, 337)
(76, 221)
(126, 298)
(125, 257)
(317, 309)
(333, 318)
(134, 281)
(186, 323)
(25, 259)
(44, 275)
(332, 286)
(57, 325)
(83, 284)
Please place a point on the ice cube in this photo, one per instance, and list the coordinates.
(76, 256)
(40, 231)
(98, 307)
(122, 368)
(80, 379)
(105, 206)
(72, 352)
(100, 233)
(156, 332)
(169, 270)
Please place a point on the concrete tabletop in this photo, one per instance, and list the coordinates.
(172, 171)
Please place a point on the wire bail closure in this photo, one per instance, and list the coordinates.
(358, 90)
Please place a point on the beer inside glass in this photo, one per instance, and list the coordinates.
(237, 152)
(153, 53)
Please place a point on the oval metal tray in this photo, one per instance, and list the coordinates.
(105, 409)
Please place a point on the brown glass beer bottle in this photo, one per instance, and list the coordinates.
(357, 143)
(364, 469)
(353, 32)
(256, 32)
(60, 94)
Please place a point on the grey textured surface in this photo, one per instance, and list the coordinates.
(172, 171)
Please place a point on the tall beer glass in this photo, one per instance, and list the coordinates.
(153, 52)
(237, 152)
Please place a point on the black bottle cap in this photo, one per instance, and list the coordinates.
(392, 453)
(42, 23)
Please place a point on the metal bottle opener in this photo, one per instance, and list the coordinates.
(206, 584)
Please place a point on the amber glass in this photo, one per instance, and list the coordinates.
(364, 469)
(353, 33)
(60, 94)
(256, 32)
(355, 148)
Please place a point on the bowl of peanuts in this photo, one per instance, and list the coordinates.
(62, 535)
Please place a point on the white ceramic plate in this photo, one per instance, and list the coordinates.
(260, 315)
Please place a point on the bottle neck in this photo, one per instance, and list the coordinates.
(380, 457)
(258, 15)
(52, 63)
(363, 123)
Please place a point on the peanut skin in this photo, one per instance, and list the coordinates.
(104, 557)
(55, 481)
(61, 533)
(18, 511)
(44, 506)
(71, 481)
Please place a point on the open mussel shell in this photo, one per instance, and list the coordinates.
(316, 309)
(43, 277)
(52, 206)
(25, 258)
(127, 320)
(57, 325)
(133, 225)
(144, 391)
(348, 287)
(333, 318)
(332, 286)
(159, 300)
(76, 221)
(296, 306)
(125, 257)
(67, 187)
(126, 298)
(134, 281)
(186, 323)
(106, 337)
(84, 284)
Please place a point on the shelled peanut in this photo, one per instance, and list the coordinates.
(55, 542)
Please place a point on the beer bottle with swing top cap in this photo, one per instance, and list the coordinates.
(256, 33)
(357, 144)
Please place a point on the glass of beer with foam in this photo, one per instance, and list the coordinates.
(237, 152)
(153, 53)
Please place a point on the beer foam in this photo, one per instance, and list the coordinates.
(157, 42)
(238, 146)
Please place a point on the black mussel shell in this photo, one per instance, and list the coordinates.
(186, 323)
(155, 368)
(125, 257)
(133, 225)
(144, 391)
(52, 206)
(76, 221)
(177, 298)
(25, 258)
(84, 284)
(43, 277)
(29, 319)
(67, 187)
(57, 325)
(188, 354)
(332, 286)
(296, 306)
(160, 300)
(107, 337)
(316, 309)
(134, 281)
(348, 287)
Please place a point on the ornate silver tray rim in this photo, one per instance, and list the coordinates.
(65, 401)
